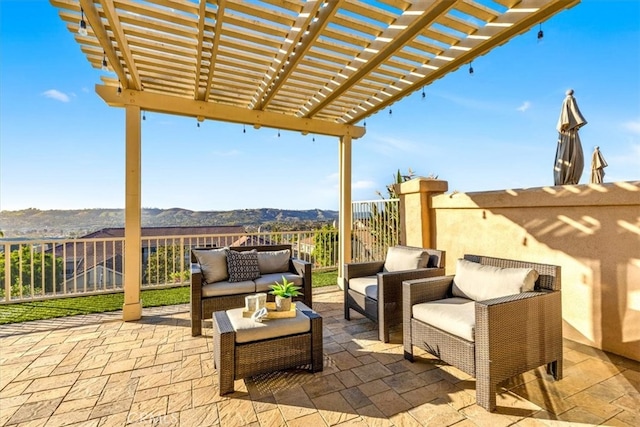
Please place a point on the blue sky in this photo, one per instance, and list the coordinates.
(62, 147)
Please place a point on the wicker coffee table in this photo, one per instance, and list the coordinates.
(243, 348)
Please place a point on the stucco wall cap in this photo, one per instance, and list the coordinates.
(421, 185)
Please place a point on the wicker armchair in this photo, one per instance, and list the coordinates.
(512, 334)
(373, 291)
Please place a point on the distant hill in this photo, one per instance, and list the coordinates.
(35, 223)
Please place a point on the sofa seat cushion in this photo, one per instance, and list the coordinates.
(482, 282)
(456, 316)
(228, 288)
(366, 285)
(248, 330)
(400, 258)
(213, 263)
(264, 282)
(274, 261)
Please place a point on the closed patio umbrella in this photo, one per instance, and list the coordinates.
(598, 163)
(569, 158)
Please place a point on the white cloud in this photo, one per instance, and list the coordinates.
(633, 126)
(57, 95)
(363, 185)
(524, 107)
(392, 146)
(332, 178)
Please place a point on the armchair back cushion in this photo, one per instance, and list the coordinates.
(242, 265)
(400, 258)
(481, 282)
(274, 261)
(213, 263)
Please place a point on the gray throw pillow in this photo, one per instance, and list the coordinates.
(274, 261)
(213, 263)
(242, 265)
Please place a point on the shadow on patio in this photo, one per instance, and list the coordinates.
(95, 370)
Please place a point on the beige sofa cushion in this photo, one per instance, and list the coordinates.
(454, 315)
(264, 282)
(248, 330)
(213, 263)
(401, 258)
(482, 282)
(274, 261)
(228, 288)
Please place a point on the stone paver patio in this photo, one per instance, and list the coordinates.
(95, 370)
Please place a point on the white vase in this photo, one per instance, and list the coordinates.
(283, 304)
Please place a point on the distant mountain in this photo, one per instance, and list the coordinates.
(36, 223)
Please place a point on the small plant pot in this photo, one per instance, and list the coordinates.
(283, 304)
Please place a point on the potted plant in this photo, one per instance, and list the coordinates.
(283, 292)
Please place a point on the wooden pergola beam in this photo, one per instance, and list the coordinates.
(201, 110)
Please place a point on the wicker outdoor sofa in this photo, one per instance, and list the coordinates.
(498, 338)
(223, 293)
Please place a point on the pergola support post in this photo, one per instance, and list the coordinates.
(132, 307)
(344, 214)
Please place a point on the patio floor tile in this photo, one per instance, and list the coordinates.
(95, 370)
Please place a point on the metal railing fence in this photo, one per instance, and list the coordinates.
(54, 268)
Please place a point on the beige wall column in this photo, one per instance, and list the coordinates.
(344, 214)
(132, 308)
(416, 216)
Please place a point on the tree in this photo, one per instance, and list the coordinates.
(325, 246)
(165, 266)
(28, 267)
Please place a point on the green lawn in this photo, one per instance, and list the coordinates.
(38, 310)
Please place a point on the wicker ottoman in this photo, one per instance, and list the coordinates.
(243, 348)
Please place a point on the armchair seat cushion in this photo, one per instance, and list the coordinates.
(367, 286)
(456, 316)
(227, 288)
(264, 282)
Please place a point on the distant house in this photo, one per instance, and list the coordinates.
(95, 260)
(252, 240)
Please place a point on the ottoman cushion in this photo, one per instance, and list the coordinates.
(247, 330)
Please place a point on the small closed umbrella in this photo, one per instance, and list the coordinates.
(598, 163)
(569, 158)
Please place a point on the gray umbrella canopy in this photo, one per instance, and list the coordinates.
(569, 157)
(598, 163)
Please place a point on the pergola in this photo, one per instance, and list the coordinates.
(314, 67)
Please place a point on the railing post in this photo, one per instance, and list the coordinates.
(7, 272)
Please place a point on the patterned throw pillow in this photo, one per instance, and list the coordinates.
(242, 265)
